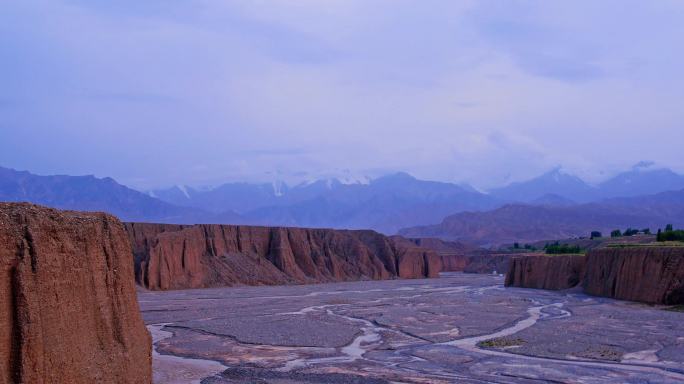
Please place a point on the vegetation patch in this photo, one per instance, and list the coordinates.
(648, 245)
(562, 249)
(502, 342)
(601, 352)
(676, 308)
(670, 234)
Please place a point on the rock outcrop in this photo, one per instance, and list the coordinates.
(198, 256)
(553, 272)
(646, 274)
(68, 307)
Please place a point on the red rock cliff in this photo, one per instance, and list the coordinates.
(546, 271)
(68, 308)
(647, 274)
(178, 257)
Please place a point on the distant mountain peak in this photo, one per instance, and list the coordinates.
(556, 181)
(559, 174)
(643, 165)
(398, 176)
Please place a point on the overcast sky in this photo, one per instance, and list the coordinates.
(160, 92)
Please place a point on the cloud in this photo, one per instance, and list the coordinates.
(202, 91)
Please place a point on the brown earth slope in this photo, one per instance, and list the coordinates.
(546, 271)
(647, 274)
(179, 257)
(68, 309)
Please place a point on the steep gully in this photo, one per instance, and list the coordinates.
(370, 338)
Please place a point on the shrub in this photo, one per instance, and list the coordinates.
(616, 233)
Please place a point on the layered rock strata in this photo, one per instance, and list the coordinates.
(68, 307)
(546, 272)
(649, 274)
(199, 256)
(646, 274)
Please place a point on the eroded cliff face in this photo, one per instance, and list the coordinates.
(553, 272)
(646, 274)
(198, 256)
(68, 307)
(650, 274)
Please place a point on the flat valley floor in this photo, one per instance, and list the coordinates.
(459, 328)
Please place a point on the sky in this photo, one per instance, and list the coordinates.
(199, 92)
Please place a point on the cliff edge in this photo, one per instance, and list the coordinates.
(68, 306)
(554, 272)
(646, 274)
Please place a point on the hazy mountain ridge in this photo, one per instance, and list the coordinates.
(89, 193)
(385, 204)
(641, 179)
(529, 223)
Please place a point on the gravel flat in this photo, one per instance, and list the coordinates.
(460, 328)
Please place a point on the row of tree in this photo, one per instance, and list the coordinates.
(559, 249)
(670, 234)
(629, 232)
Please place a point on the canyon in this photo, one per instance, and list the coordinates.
(244, 304)
(68, 306)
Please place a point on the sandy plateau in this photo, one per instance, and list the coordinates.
(459, 328)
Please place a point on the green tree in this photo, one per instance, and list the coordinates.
(630, 232)
(616, 233)
(646, 231)
(668, 228)
(596, 234)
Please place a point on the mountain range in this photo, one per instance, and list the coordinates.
(386, 204)
(88, 193)
(530, 223)
(642, 179)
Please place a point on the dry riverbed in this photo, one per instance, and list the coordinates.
(459, 328)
